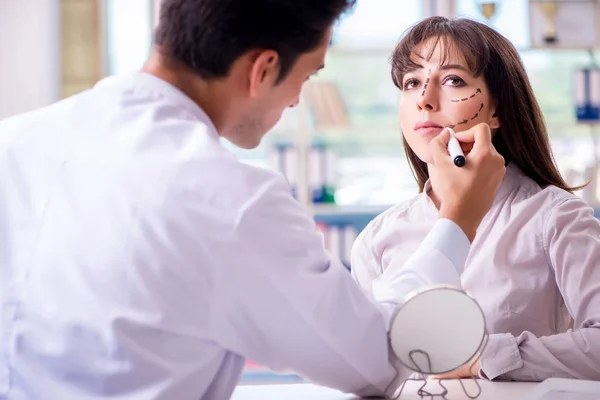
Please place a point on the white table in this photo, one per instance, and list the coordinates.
(302, 391)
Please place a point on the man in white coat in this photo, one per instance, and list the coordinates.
(140, 260)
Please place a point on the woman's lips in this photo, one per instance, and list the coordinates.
(430, 130)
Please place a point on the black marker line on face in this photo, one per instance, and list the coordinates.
(465, 121)
(467, 98)
(426, 83)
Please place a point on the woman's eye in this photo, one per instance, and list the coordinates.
(410, 84)
(454, 81)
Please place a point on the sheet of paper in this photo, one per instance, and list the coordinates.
(568, 395)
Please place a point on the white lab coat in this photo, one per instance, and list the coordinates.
(140, 260)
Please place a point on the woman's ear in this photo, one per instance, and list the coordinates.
(494, 121)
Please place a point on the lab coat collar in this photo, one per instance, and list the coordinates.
(150, 83)
(165, 88)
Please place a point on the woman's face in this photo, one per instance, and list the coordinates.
(435, 96)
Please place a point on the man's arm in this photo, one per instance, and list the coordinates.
(292, 308)
(439, 260)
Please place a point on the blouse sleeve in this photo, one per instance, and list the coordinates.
(571, 240)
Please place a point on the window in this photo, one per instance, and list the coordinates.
(375, 24)
(129, 34)
(510, 17)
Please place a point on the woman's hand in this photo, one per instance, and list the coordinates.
(467, 193)
(468, 370)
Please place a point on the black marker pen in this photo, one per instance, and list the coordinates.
(456, 153)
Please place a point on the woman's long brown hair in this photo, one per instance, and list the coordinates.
(522, 137)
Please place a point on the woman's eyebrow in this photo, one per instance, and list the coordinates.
(413, 68)
(446, 67)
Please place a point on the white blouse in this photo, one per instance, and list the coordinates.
(534, 263)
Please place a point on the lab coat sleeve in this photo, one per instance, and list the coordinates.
(571, 239)
(439, 260)
(364, 262)
(286, 305)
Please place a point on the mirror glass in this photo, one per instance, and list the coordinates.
(437, 330)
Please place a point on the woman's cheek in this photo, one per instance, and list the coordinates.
(465, 115)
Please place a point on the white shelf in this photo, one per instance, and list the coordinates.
(334, 209)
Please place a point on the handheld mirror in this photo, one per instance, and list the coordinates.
(437, 330)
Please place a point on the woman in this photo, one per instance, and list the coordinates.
(535, 261)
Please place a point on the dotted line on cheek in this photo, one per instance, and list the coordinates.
(464, 121)
(466, 98)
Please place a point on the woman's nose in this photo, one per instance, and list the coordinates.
(427, 100)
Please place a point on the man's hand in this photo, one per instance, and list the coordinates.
(466, 193)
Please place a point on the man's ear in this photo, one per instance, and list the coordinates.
(264, 72)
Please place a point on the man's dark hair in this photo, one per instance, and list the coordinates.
(209, 35)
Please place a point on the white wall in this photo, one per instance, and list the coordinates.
(155, 12)
(129, 34)
(29, 54)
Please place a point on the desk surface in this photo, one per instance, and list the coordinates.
(489, 391)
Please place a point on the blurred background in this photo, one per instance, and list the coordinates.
(341, 150)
